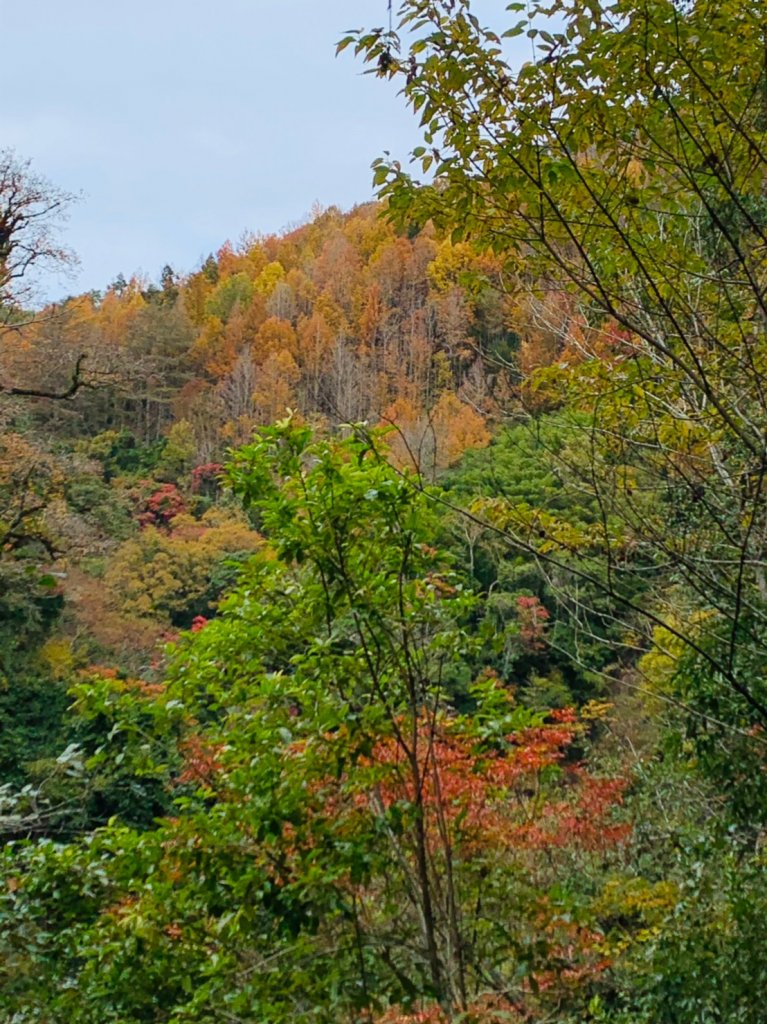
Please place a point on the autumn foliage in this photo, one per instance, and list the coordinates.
(342, 318)
(490, 797)
(161, 507)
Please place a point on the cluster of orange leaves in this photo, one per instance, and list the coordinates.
(140, 686)
(202, 761)
(488, 1009)
(493, 797)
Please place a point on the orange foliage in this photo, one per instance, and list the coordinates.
(275, 387)
(201, 761)
(315, 339)
(458, 428)
(274, 337)
(346, 319)
(430, 441)
(241, 330)
(491, 798)
(129, 640)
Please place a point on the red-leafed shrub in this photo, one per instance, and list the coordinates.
(162, 506)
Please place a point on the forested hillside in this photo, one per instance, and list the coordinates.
(383, 603)
(344, 320)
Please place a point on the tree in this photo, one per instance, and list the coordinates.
(431, 440)
(31, 212)
(623, 162)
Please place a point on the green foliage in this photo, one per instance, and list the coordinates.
(30, 603)
(125, 736)
(120, 453)
(718, 922)
(525, 478)
(102, 505)
(31, 702)
(622, 166)
(318, 816)
(719, 737)
(678, 929)
(237, 290)
(523, 465)
(32, 707)
(178, 454)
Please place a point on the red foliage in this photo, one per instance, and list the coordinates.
(162, 506)
(488, 1009)
(518, 797)
(493, 797)
(533, 618)
(205, 478)
(584, 822)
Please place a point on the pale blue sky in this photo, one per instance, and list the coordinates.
(187, 122)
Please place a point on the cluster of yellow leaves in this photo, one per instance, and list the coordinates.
(640, 906)
(161, 575)
(660, 664)
(59, 657)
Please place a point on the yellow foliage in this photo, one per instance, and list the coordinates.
(450, 263)
(118, 311)
(58, 657)
(641, 904)
(659, 665)
(206, 350)
(596, 710)
(275, 337)
(166, 575)
(269, 278)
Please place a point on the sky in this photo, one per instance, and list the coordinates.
(184, 123)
